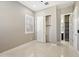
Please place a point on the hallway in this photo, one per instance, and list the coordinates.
(38, 49)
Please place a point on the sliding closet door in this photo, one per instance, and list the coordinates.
(40, 29)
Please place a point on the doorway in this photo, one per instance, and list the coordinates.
(48, 28)
(66, 22)
(65, 27)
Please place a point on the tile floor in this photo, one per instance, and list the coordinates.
(38, 49)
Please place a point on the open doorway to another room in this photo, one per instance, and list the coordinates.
(65, 27)
(66, 30)
(48, 28)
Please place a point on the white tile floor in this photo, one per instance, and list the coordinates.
(38, 49)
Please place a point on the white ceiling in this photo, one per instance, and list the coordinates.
(38, 5)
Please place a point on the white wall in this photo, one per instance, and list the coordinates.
(71, 29)
(12, 25)
(49, 11)
(76, 25)
(75, 28)
(66, 10)
(58, 24)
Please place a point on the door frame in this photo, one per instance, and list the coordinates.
(46, 27)
(62, 16)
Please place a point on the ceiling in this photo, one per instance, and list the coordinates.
(38, 5)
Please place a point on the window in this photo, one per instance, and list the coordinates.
(29, 24)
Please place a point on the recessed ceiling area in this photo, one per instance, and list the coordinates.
(38, 5)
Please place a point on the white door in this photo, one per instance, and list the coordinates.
(40, 29)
